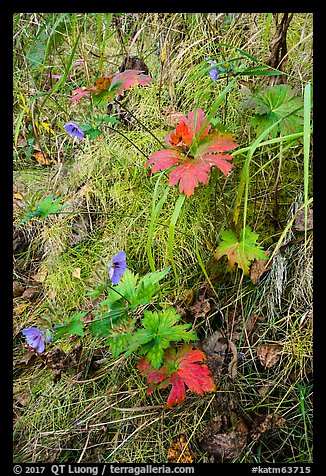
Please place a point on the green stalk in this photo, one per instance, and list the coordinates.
(243, 187)
(63, 78)
(214, 109)
(156, 211)
(105, 38)
(295, 136)
(174, 219)
(266, 33)
(306, 152)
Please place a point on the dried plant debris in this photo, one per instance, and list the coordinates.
(233, 364)
(240, 325)
(201, 307)
(17, 289)
(223, 443)
(179, 451)
(258, 269)
(299, 223)
(58, 360)
(266, 388)
(266, 423)
(269, 354)
(215, 347)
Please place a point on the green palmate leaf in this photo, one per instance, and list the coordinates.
(130, 290)
(45, 207)
(72, 327)
(118, 343)
(241, 251)
(159, 330)
(92, 133)
(124, 297)
(275, 103)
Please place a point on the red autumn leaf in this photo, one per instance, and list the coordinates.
(193, 168)
(179, 370)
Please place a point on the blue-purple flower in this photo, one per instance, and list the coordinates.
(74, 130)
(117, 266)
(35, 339)
(214, 71)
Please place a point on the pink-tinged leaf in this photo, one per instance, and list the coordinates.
(78, 94)
(215, 143)
(163, 159)
(220, 161)
(130, 78)
(189, 175)
(153, 376)
(201, 118)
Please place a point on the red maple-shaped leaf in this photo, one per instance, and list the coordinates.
(180, 369)
(193, 165)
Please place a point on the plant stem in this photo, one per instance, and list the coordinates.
(131, 142)
(113, 289)
(139, 122)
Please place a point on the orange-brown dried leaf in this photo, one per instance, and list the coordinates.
(103, 84)
(269, 354)
(179, 451)
(259, 268)
(42, 158)
(268, 422)
(227, 445)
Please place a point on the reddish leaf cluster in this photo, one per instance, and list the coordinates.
(114, 84)
(193, 166)
(179, 369)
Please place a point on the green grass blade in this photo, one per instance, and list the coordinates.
(243, 186)
(174, 219)
(63, 78)
(21, 116)
(156, 211)
(201, 264)
(306, 151)
(266, 32)
(105, 38)
(214, 109)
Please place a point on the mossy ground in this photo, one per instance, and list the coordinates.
(99, 412)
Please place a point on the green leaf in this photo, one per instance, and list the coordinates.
(118, 343)
(259, 71)
(148, 286)
(72, 327)
(275, 103)
(159, 330)
(110, 119)
(241, 251)
(45, 207)
(123, 298)
(94, 132)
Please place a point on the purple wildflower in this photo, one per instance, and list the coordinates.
(34, 339)
(117, 267)
(214, 71)
(74, 130)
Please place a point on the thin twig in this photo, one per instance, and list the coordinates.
(139, 122)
